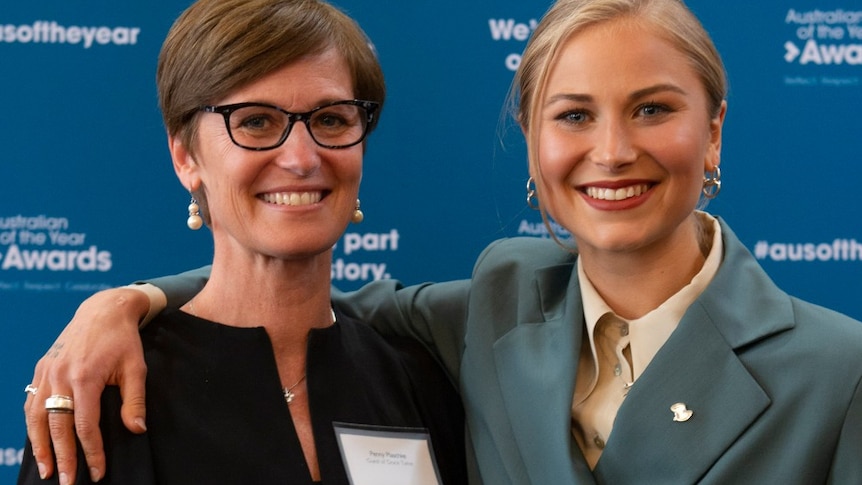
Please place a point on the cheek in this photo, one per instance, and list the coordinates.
(228, 176)
(348, 166)
(345, 169)
(685, 152)
(558, 155)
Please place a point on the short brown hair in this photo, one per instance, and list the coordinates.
(218, 46)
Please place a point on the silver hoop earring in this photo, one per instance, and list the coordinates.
(532, 200)
(357, 216)
(712, 183)
(194, 221)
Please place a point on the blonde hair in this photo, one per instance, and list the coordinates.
(670, 19)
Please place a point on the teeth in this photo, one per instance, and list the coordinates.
(292, 198)
(616, 194)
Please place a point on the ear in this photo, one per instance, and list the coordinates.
(185, 166)
(713, 157)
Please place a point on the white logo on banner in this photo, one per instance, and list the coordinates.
(47, 245)
(540, 229)
(50, 32)
(824, 38)
(837, 250)
(353, 242)
(510, 30)
(11, 456)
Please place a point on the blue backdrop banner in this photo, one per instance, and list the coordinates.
(88, 198)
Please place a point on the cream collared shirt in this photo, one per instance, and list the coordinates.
(604, 377)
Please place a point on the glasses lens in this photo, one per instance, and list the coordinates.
(338, 125)
(257, 126)
(263, 127)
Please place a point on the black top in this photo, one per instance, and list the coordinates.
(216, 413)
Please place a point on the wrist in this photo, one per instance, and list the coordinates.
(155, 302)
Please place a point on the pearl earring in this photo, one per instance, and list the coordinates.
(358, 216)
(194, 221)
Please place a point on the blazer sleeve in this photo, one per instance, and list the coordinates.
(433, 313)
(847, 460)
(180, 288)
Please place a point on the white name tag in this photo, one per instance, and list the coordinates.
(382, 455)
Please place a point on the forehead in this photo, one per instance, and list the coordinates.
(620, 53)
(307, 80)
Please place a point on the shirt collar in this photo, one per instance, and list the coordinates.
(649, 332)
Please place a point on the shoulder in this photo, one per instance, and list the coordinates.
(519, 267)
(527, 248)
(366, 345)
(361, 338)
(527, 253)
(819, 351)
(835, 334)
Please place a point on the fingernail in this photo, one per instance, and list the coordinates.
(140, 422)
(64, 479)
(43, 472)
(95, 475)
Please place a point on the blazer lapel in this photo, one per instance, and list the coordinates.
(698, 368)
(536, 363)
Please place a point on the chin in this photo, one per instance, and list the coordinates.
(618, 241)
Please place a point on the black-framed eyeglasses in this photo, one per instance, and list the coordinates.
(260, 126)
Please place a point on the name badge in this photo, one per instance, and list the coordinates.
(383, 455)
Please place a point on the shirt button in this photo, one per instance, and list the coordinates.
(599, 442)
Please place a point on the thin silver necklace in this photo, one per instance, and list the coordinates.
(288, 391)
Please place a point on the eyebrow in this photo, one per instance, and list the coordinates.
(658, 88)
(640, 93)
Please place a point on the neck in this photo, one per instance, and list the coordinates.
(633, 283)
(288, 298)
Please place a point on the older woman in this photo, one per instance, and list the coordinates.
(660, 352)
(256, 379)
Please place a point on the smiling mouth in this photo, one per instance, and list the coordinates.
(622, 193)
(292, 198)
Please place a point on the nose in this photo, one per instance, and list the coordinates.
(299, 153)
(613, 149)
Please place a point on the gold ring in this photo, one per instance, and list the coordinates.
(59, 404)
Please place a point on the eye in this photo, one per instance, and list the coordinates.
(573, 117)
(255, 122)
(329, 120)
(257, 119)
(336, 117)
(652, 110)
